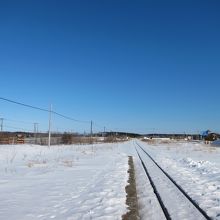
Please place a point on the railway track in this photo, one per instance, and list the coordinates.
(175, 203)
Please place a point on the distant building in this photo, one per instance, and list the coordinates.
(209, 136)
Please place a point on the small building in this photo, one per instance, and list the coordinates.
(209, 136)
(20, 139)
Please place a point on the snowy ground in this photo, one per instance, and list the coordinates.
(63, 182)
(194, 166)
(88, 182)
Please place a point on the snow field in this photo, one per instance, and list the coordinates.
(62, 182)
(88, 182)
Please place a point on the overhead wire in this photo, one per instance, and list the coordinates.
(26, 105)
(16, 128)
(69, 118)
(18, 121)
(48, 111)
(42, 109)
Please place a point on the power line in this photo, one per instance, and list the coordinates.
(16, 128)
(69, 118)
(97, 125)
(29, 130)
(10, 123)
(26, 105)
(23, 122)
(42, 109)
(50, 111)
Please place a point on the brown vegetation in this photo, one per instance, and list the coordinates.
(131, 198)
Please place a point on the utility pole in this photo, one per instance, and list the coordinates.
(35, 132)
(91, 129)
(49, 130)
(91, 132)
(104, 135)
(35, 128)
(2, 119)
(104, 132)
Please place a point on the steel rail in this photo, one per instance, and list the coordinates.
(174, 182)
(163, 207)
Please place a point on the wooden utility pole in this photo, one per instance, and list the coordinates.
(2, 119)
(91, 129)
(104, 132)
(91, 132)
(35, 132)
(49, 130)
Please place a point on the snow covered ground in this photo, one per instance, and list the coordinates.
(195, 167)
(88, 182)
(62, 182)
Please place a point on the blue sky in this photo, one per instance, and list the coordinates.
(136, 66)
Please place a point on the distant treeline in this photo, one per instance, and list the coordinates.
(110, 135)
(100, 134)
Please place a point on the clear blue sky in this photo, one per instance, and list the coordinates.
(136, 66)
